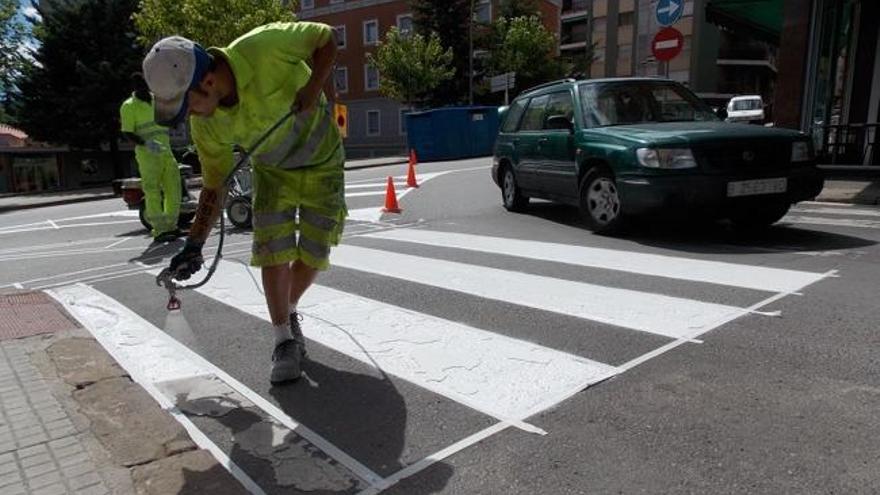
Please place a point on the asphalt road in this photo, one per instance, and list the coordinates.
(458, 348)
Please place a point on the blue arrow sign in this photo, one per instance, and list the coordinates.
(669, 11)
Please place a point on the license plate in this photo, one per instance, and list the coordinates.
(755, 187)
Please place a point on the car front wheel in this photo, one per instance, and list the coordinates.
(600, 201)
(513, 198)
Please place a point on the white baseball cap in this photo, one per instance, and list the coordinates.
(172, 67)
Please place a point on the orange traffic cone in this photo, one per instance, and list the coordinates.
(391, 198)
(411, 175)
(413, 158)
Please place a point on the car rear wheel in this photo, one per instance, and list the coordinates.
(600, 201)
(759, 216)
(240, 213)
(513, 198)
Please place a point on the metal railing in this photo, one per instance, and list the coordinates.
(847, 144)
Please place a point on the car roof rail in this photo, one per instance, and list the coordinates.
(551, 83)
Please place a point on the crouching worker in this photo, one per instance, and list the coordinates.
(233, 95)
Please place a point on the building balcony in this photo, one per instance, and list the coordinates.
(574, 9)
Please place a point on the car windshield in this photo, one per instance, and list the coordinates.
(740, 105)
(635, 102)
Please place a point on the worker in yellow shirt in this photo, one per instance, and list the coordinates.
(160, 175)
(233, 95)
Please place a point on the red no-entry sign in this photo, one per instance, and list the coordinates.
(667, 44)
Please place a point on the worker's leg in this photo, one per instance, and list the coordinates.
(171, 191)
(151, 180)
(277, 284)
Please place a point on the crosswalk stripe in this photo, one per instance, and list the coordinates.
(655, 313)
(714, 272)
(364, 194)
(858, 212)
(836, 222)
(500, 376)
(152, 358)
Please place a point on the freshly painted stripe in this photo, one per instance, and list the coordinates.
(364, 194)
(714, 272)
(654, 313)
(151, 356)
(859, 212)
(375, 185)
(500, 376)
(836, 222)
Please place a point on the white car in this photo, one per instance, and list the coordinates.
(746, 109)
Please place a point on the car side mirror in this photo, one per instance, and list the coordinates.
(560, 122)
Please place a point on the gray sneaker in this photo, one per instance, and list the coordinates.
(286, 362)
(297, 332)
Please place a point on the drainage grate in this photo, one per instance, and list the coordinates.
(23, 314)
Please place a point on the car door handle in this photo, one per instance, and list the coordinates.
(543, 140)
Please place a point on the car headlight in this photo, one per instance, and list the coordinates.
(669, 158)
(800, 151)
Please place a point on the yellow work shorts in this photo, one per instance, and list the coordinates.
(299, 214)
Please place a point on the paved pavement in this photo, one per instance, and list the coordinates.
(73, 421)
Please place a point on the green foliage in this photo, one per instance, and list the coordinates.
(208, 22)
(449, 19)
(411, 66)
(13, 33)
(523, 45)
(71, 94)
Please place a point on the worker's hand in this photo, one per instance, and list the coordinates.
(154, 146)
(306, 98)
(188, 261)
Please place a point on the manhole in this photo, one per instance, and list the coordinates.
(23, 314)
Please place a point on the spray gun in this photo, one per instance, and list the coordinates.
(166, 279)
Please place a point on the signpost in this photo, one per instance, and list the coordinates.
(669, 11)
(503, 82)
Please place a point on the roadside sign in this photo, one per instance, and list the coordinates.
(669, 11)
(503, 82)
(667, 44)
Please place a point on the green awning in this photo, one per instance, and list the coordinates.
(761, 19)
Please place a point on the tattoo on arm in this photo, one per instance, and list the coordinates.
(206, 215)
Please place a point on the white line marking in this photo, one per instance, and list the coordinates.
(434, 458)
(53, 224)
(838, 211)
(68, 274)
(116, 243)
(150, 355)
(654, 313)
(499, 376)
(372, 215)
(376, 185)
(71, 226)
(714, 272)
(364, 194)
(18, 286)
(836, 222)
(38, 247)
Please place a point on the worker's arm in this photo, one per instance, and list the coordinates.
(207, 214)
(323, 60)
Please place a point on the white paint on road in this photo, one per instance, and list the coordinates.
(858, 212)
(834, 222)
(500, 376)
(152, 357)
(655, 313)
(713, 272)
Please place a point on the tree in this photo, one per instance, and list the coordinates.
(81, 73)
(449, 19)
(524, 46)
(209, 22)
(411, 66)
(13, 33)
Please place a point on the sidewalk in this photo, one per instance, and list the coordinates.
(73, 422)
(11, 202)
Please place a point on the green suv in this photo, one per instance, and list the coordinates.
(621, 147)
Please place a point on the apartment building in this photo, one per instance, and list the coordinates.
(716, 63)
(376, 124)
